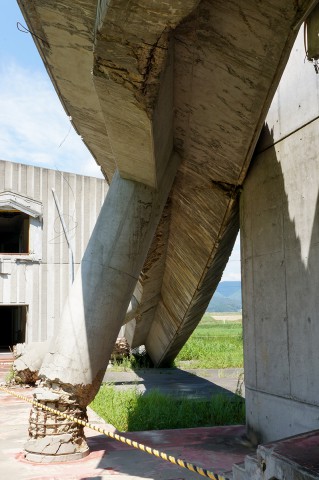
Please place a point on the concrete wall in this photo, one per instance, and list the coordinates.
(280, 261)
(40, 280)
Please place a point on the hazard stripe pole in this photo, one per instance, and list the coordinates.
(120, 438)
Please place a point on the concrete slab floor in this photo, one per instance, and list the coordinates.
(301, 450)
(212, 448)
(199, 384)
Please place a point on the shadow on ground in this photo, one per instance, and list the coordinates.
(210, 447)
(177, 382)
(215, 448)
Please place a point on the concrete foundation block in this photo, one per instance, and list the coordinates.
(38, 458)
(51, 444)
(239, 472)
(54, 448)
(253, 468)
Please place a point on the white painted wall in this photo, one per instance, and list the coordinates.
(41, 279)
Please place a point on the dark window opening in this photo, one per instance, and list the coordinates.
(14, 232)
(12, 323)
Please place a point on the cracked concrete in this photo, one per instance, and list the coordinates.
(211, 95)
(26, 367)
(175, 76)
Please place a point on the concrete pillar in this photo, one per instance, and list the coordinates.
(280, 265)
(280, 261)
(74, 367)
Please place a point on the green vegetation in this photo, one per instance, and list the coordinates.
(10, 376)
(214, 344)
(130, 410)
(133, 362)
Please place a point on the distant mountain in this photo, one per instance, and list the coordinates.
(227, 298)
(227, 289)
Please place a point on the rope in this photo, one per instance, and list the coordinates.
(119, 438)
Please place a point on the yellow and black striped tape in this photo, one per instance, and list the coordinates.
(120, 438)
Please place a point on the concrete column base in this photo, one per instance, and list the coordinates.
(54, 438)
(57, 457)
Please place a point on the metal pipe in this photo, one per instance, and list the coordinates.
(71, 257)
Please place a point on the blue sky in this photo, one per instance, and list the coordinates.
(34, 128)
(14, 44)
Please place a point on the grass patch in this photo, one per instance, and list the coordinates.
(214, 344)
(10, 376)
(130, 410)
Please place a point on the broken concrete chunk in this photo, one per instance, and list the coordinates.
(121, 349)
(51, 445)
(45, 395)
(26, 367)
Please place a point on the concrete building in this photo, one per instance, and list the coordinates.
(171, 99)
(35, 261)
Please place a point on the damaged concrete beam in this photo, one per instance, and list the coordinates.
(133, 78)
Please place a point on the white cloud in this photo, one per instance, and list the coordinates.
(232, 270)
(34, 128)
(231, 276)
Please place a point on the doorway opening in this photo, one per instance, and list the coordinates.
(13, 321)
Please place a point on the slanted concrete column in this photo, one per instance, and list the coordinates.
(74, 367)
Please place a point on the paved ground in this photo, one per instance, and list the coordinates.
(212, 448)
(201, 383)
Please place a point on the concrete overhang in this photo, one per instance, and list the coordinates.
(107, 70)
(15, 201)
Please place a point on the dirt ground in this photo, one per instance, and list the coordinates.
(229, 317)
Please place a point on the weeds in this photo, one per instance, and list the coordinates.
(134, 361)
(130, 410)
(214, 344)
(10, 376)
